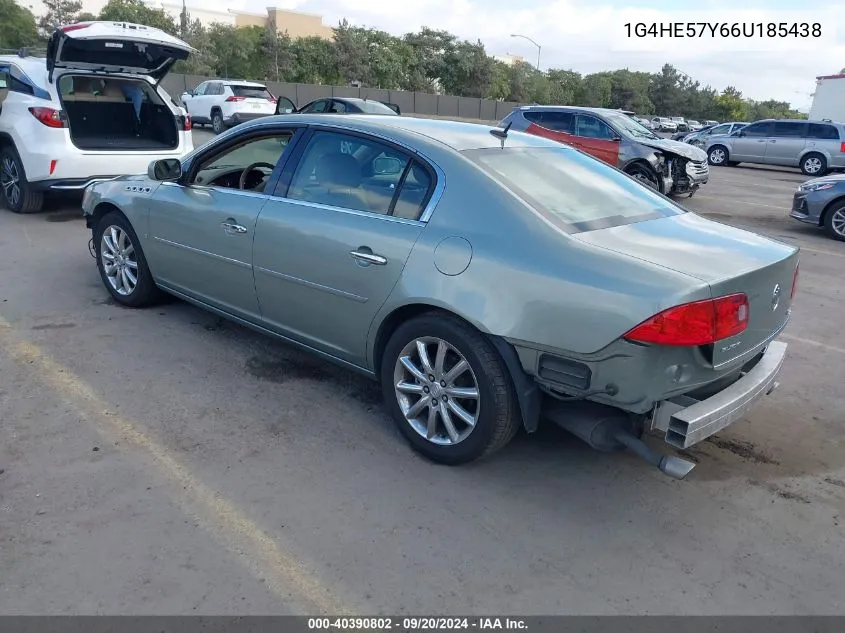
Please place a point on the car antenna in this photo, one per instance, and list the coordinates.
(502, 134)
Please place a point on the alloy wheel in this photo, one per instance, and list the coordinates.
(10, 181)
(437, 391)
(119, 261)
(717, 156)
(812, 165)
(837, 222)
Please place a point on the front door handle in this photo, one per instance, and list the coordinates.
(231, 226)
(368, 257)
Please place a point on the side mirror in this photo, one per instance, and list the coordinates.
(385, 165)
(165, 169)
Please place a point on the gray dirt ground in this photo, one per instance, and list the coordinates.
(164, 461)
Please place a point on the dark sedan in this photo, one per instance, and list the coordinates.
(345, 105)
(821, 202)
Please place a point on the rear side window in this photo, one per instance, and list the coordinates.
(251, 92)
(790, 129)
(534, 116)
(823, 132)
(572, 189)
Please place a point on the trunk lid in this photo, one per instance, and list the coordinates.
(115, 47)
(729, 260)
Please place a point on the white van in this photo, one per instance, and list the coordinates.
(91, 110)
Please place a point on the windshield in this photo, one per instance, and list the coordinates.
(375, 107)
(630, 127)
(578, 192)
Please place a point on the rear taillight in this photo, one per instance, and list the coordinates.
(235, 98)
(272, 99)
(695, 323)
(842, 148)
(794, 282)
(186, 123)
(75, 27)
(48, 116)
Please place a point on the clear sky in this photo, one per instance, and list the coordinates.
(587, 36)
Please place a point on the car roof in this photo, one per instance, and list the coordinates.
(413, 131)
(560, 108)
(235, 82)
(29, 65)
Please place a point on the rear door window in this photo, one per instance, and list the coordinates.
(790, 129)
(759, 129)
(822, 131)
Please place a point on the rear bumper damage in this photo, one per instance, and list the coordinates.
(687, 421)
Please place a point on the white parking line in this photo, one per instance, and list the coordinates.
(811, 343)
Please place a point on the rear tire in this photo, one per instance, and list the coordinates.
(217, 124)
(18, 195)
(834, 221)
(814, 164)
(121, 260)
(469, 410)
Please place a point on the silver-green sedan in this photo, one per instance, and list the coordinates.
(488, 279)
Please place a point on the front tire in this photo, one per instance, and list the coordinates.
(17, 192)
(121, 262)
(217, 124)
(717, 155)
(642, 174)
(814, 164)
(834, 222)
(448, 390)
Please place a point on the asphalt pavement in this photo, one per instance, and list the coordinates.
(165, 461)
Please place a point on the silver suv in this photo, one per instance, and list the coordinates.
(813, 146)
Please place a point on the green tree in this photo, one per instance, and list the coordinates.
(58, 13)
(17, 26)
(468, 70)
(137, 12)
(279, 58)
(499, 81)
(201, 61)
(352, 50)
(316, 61)
(563, 86)
(730, 105)
(595, 91)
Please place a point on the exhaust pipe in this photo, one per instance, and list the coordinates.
(607, 429)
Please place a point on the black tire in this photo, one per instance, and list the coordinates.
(814, 164)
(718, 155)
(497, 414)
(17, 195)
(644, 175)
(145, 292)
(833, 221)
(217, 124)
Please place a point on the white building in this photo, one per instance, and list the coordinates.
(829, 98)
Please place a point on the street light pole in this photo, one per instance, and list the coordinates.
(525, 37)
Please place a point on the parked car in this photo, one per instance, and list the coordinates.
(711, 122)
(79, 115)
(664, 124)
(693, 125)
(224, 103)
(821, 201)
(670, 167)
(348, 105)
(681, 123)
(813, 146)
(701, 137)
(371, 241)
(644, 122)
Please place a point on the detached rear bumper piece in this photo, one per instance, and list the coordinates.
(68, 184)
(687, 421)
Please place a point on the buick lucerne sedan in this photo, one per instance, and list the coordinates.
(489, 279)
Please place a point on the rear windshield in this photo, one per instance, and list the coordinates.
(251, 92)
(374, 107)
(576, 191)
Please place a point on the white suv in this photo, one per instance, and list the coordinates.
(227, 103)
(91, 110)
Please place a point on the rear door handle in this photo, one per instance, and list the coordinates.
(231, 226)
(368, 257)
